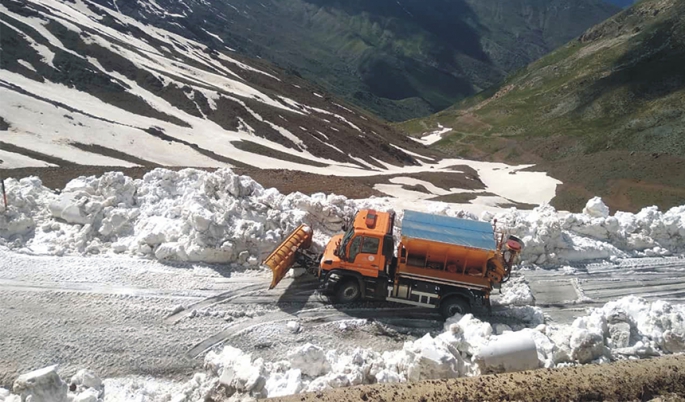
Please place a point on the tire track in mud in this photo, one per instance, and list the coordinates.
(565, 293)
(400, 317)
(95, 288)
(389, 316)
(214, 300)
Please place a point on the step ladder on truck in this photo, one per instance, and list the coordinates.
(441, 262)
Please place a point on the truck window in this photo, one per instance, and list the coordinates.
(355, 247)
(370, 245)
(345, 240)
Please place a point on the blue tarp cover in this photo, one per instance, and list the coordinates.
(444, 229)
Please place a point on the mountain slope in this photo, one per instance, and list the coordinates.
(604, 113)
(397, 59)
(622, 3)
(81, 83)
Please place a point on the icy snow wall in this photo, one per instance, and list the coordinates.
(221, 217)
(552, 238)
(190, 215)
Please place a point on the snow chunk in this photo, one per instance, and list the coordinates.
(310, 360)
(293, 326)
(42, 385)
(596, 208)
(516, 292)
(515, 351)
(284, 384)
(85, 379)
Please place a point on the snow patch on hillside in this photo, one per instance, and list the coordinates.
(10, 160)
(433, 136)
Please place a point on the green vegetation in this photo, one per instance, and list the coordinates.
(614, 100)
(399, 60)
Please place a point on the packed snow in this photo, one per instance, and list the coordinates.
(630, 327)
(221, 217)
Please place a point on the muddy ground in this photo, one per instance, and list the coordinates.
(656, 379)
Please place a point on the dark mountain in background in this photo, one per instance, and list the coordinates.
(605, 113)
(622, 3)
(397, 59)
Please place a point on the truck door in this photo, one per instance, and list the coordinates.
(364, 255)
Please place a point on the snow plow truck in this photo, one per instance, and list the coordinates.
(440, 262)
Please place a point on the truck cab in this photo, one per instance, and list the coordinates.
(360, 257)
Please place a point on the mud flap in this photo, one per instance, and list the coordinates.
(283, 257)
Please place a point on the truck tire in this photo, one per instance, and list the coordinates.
(454, 305)
(347, 291)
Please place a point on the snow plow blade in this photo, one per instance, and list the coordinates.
(283, 257)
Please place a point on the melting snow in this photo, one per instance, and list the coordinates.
(434, 136)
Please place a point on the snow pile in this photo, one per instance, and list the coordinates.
(629, 327)
(637, 327)
(221, 217)
(26, 201)
(516, 292)
(551, 239)
(189, 215)
(45, 385)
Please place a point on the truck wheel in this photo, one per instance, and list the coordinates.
(347, 292)
(454, 305)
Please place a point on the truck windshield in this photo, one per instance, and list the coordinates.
(343, 243)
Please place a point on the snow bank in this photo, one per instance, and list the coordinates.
(189, 215)
(221, 217)
(553, 239)
(630, 327)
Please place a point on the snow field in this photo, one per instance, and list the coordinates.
(221, 217)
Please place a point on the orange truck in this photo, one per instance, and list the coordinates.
(440, 262)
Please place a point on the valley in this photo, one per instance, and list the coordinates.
(521, 162)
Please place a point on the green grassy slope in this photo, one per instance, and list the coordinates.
(398, 59)
(604, 113)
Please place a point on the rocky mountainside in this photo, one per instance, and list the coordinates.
(82, 83)
(398, 59)
(604, 113)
